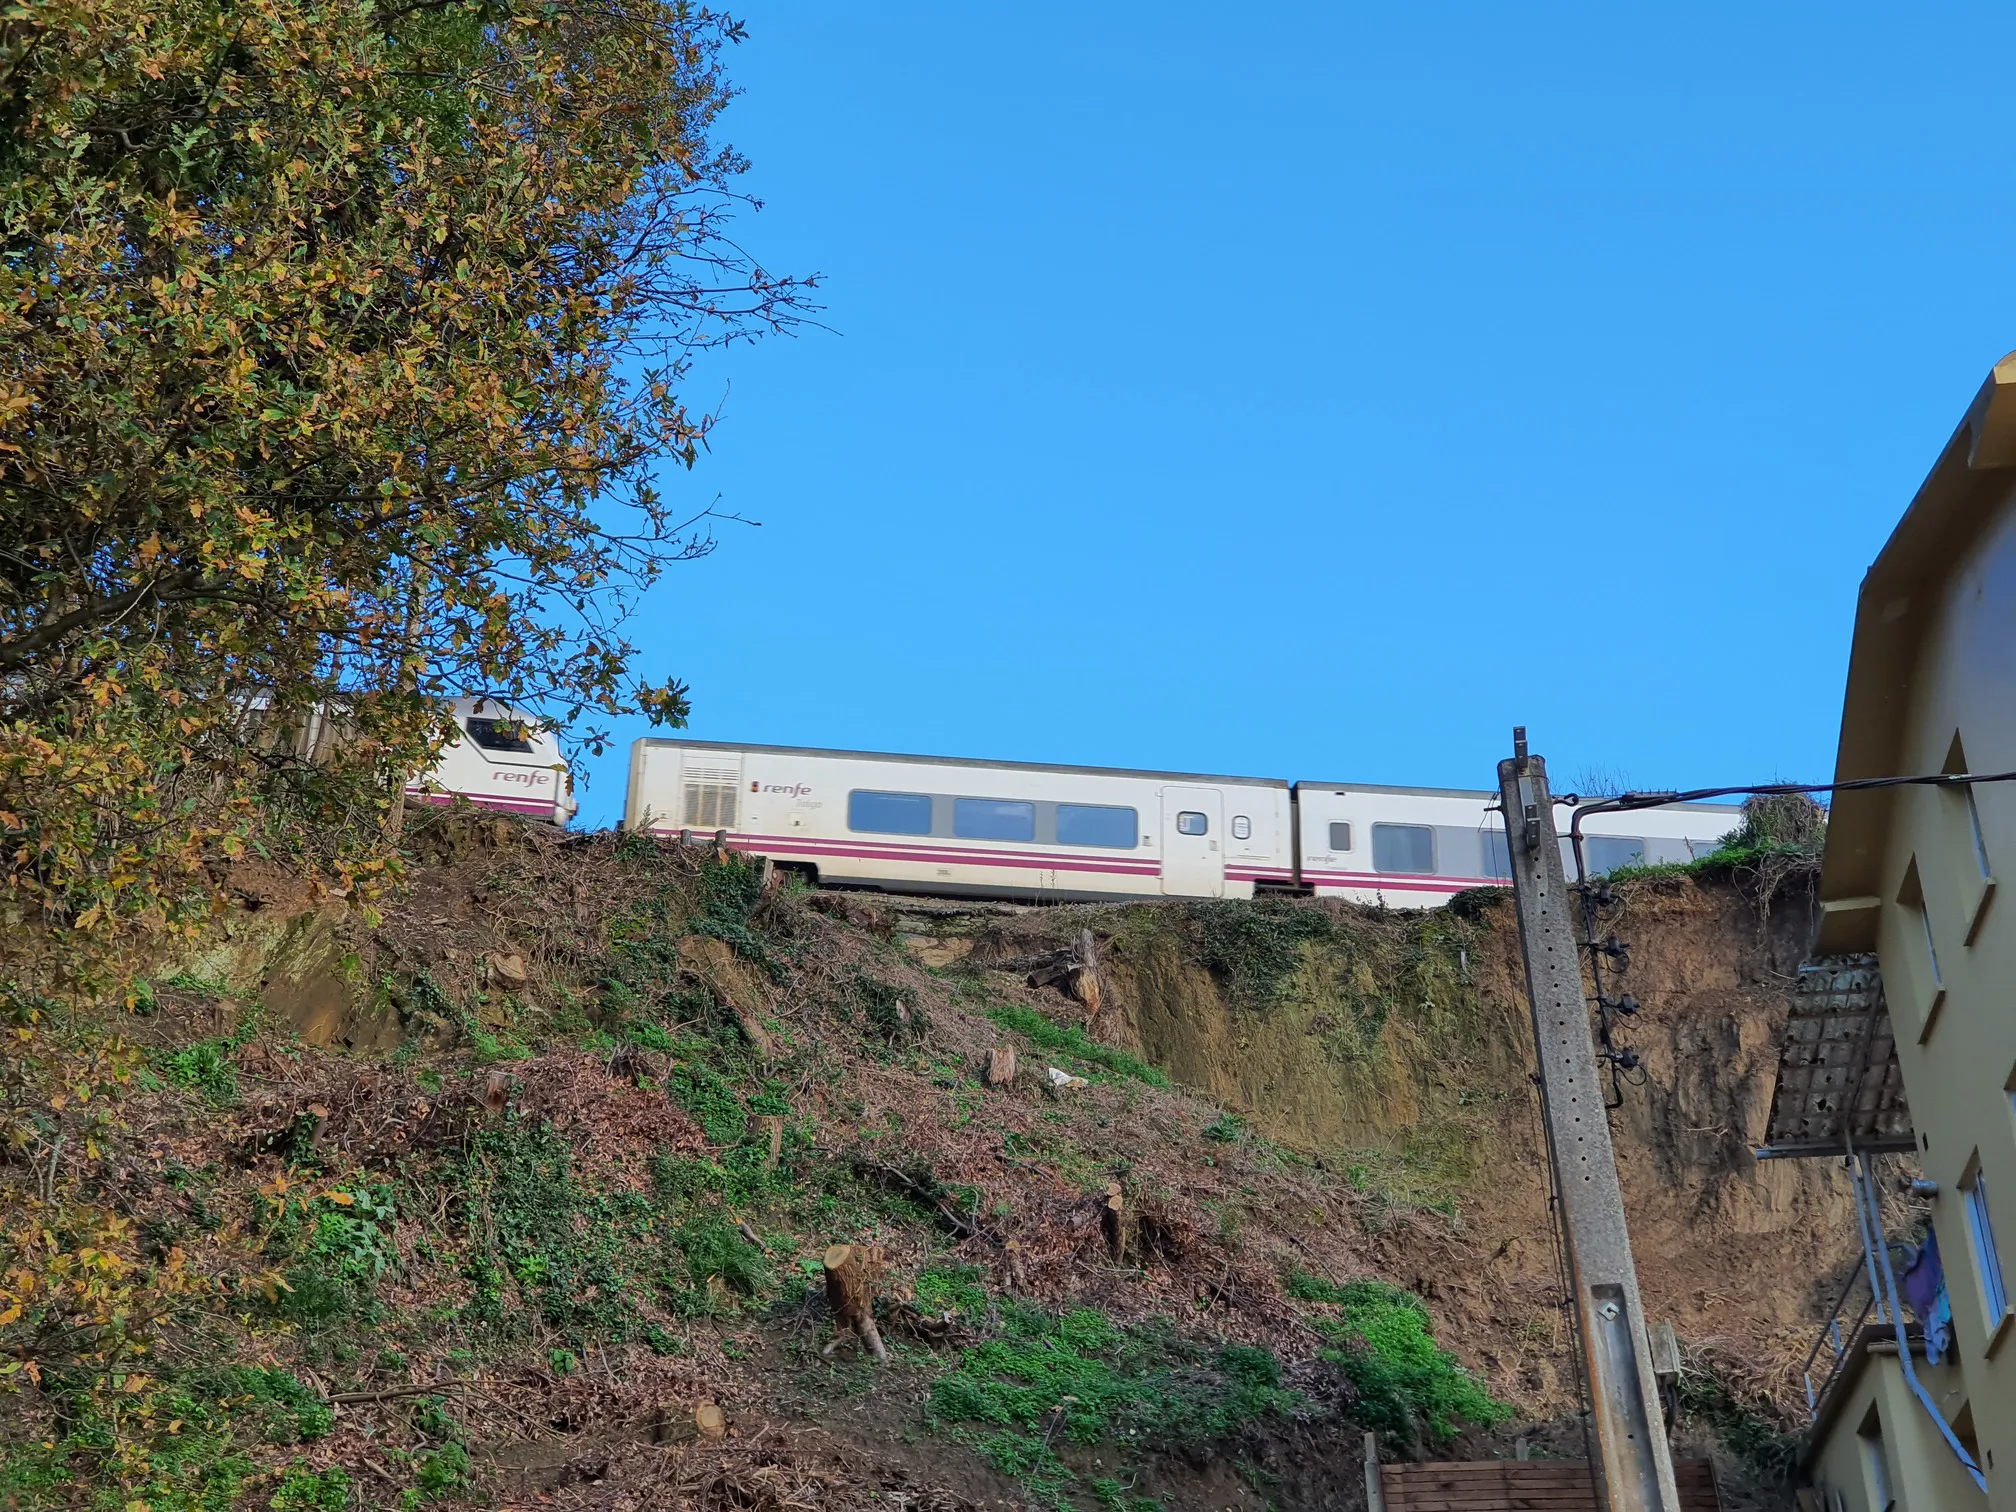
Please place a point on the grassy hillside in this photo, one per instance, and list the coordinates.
(522, 1192)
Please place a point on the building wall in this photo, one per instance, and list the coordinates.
(1873, 1419)
(1947, 942)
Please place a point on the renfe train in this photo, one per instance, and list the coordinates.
(500, 758)
(1007, 829)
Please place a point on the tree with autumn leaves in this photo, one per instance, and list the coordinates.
(340, 342)
(339, 345)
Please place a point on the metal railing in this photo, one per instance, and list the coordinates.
(1845, 1320)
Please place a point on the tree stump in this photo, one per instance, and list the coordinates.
(850, 1292)
(1018, 1278)
(1084, 979)
(708, 1419)
(1113, 1221)
(775, 1124)
(1000, 1066)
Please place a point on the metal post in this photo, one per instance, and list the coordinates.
(1633, 1464)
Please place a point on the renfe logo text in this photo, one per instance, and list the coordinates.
(796, 790)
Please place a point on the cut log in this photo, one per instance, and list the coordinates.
(708, 1419)
(1018, 1279)
(714, 964)
(850, 1293)
(1085, 988)
(752, 1026)
(1000, 1066)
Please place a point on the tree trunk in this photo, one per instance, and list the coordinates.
(775, 1124)
(850, 1291)
(408, 680)
(1000, 1066)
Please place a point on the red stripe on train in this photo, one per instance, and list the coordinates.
(1385, 883)
(483, 800)
(922, 850)
(917, 855)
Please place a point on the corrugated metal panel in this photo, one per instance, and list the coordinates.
(1838, 1079)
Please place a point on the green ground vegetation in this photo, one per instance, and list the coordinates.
(1047, 1380)
(1410, 1390)
(1069, 1041)
(1780, 833)
(1770, 1453)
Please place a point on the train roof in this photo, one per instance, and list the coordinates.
(1490, 795)
(1482, 794)
(962, 761)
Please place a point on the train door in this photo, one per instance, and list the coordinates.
(1193, 842)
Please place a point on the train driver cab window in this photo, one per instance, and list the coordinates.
(993, 819)
(889, 813)
(1242, 827)
(1403, 848)
(1497, 856)
(1097, 824)
(501, 734)
(1340, 837)
(1189, 822)
(1608, 853)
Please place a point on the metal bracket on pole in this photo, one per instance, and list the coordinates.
(1634, 1466)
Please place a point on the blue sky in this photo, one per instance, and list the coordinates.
(1254, 392)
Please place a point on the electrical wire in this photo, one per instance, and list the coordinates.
(1625, 1067)
(1625, 802)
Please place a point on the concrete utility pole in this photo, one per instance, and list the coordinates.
(1633, 1464)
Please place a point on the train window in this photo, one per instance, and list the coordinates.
(993, 819)
(1189, 822)
(889, 813)
(1608, 853)
(1242, 827)
(501, 734)
(1403, 848)
(1497, 856)
(1097, 824)
(1340, 837)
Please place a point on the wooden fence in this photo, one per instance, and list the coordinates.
(1521, 1486)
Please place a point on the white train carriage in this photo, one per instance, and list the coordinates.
(953, 826)
(1417, 847)
(501, 758)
